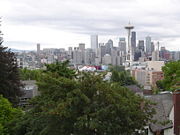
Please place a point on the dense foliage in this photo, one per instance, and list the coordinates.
(84, 106)
(7, 115)
(122, 77)
(171, 79)
(9, 75)
(61, 69)
(58, 69)
(27, 74)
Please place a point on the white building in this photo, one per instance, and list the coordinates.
(94, 42)
(106, 59)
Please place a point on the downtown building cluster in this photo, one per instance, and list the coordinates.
(144, 58)
(99, 53)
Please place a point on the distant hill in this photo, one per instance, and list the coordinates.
(17, 50)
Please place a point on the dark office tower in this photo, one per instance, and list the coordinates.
(152, 47)
(109, 46)
(82, 51)
(133, 40)
(141, 45)
(148, 45)
(38, 48)
(137, 55)
(102, 52)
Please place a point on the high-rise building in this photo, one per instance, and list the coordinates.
(89, 57)
(82, 46)
(38, 48)
(70, 50)
(155, 54)
(148, 45)
(141, 45)
(133, 41)
(122, 45)
(109, 46)
(77, 56)
(137, 55)
(152, 47)
(94, 42)
(164, 54)
(175, 55)
(82, 49)
(101, 53)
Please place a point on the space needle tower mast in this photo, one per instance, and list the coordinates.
(129, 56)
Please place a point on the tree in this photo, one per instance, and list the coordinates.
(85, 106)
(7, 114)
(58, 69)
(27, 74)
(122, 77)
(171, 79)
(9, 75)
(61, 69)
(117, 68)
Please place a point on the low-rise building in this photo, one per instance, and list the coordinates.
(29, 90)
(166, 121)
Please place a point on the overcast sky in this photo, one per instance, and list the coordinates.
(63, 23)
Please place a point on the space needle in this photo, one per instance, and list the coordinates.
(129, 56)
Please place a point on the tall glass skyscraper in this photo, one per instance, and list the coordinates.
(148, 45)
(94, 42)
(133, 40)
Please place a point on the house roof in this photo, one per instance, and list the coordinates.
(28, 94)
(29, 82)
(134, 88)
(29, 87)
(163, 107)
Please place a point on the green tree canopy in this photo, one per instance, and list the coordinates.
(122, 77)
(7, 114)
(27, 74)
(61, 69)
(58, 69)
(171, 79)
(9, 75)
(87, 106)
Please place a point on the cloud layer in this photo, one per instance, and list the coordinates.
(67, 22)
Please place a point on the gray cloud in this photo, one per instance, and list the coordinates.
(158, 18)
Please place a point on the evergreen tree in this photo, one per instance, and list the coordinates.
(85, 106)
(7, 114)
(123, 78)
(9, 75)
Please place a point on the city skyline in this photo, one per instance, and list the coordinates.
(60, 24)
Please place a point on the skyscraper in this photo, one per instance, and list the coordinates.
(141, 45)
(152, 47)
(82, 46)
(38, 48)
(148, 45)
(133, 40)
(82, 50)
(94, 42)
(109, 46)
(122, 45)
